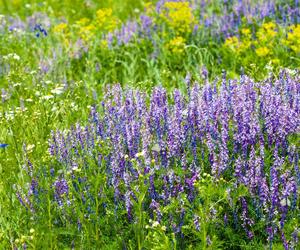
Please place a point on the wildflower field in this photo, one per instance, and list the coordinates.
(133, 124)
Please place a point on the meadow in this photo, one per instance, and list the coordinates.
(132, 124)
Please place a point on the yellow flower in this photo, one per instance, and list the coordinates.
(89, 28)
(103, 14)
(245, 45)
(105, 20)
(176, 45)
(267, 32)
(269, 26)
(233, 43)
(60, 28)
(83, 21)
(87, 32)
(275, 61)
(104, 44)
(246, 32)
(262, 51)
(179, 16)
(293, 38)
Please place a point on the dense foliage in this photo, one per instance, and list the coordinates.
(157, 125)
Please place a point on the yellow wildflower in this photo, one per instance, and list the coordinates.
(105, 20)
(293, 38)
(246, 31)
(267, 32)
(103, 14)
(87, 32)
(262, 51)
(179, 16)
(269, 26)
(233, 43)
(83, 21)
(176, 45)
(60, 28)
(245, 45)
(104, 44)
(275, 61)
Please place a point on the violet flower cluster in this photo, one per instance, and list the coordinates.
(238, 130)
(38, 23)
(234, 13)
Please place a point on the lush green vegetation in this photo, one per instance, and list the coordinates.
(149, 125)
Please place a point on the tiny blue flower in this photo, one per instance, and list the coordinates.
(3, 145)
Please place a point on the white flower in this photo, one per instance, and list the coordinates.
(30, 147)
(54, 109)
(16, 57)
(57, 91)
(155, 224)
(140, 154)
(47, 97)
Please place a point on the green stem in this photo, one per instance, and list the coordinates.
(5, 5)
(49, 221)
(204, 235)
(140, 227)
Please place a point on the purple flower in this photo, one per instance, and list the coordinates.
(61, 189)
(231, 131)
(128, 204)
(197, 222)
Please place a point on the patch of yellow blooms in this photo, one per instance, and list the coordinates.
(60, 28)
(265, 40)
(266, 37)
(237, 45)
(233, 43)
(262, 51)
(63, 30)
(266, 32)
(86, 28)
(105, 20)
(179, 16)
(293, 38)
(176, 45)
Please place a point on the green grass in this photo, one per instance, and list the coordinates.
(33, 109)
